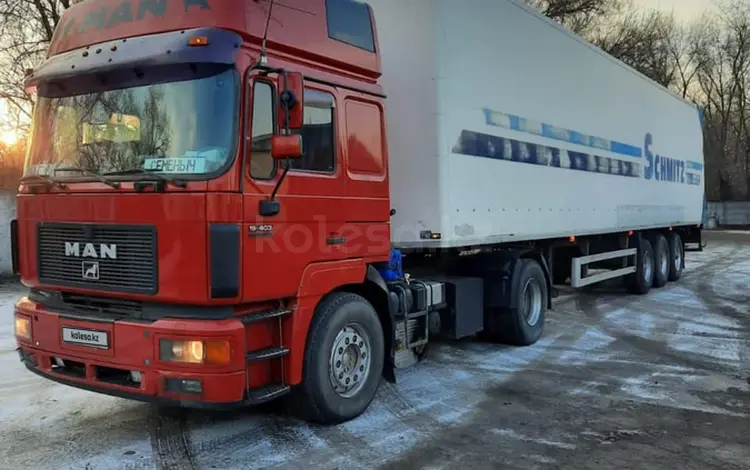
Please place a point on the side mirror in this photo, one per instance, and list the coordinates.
(286, 146)
(291, 101)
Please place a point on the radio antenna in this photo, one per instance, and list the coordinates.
(263, 58)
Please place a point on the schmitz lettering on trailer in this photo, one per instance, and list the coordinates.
(660, 167)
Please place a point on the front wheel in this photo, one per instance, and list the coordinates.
(344, 359)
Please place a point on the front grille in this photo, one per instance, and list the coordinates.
(104, 257)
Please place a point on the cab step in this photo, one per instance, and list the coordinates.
(265, 315)
(267, 393)
(267, 354)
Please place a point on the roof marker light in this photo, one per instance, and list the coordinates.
(198, 41)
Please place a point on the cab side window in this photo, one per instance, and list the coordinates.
(349, 22)
(318, 143)
(262, 166)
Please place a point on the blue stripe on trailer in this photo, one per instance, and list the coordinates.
(518, 123)
(483, 145)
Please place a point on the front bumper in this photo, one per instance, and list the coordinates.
(129, 367)
(127, 394)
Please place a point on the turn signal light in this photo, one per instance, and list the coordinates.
(195, 352)
(22, 327)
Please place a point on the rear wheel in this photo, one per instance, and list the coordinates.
(524, 324)
(676, 256)
(661, 259)
(343, 360)
(642, 279)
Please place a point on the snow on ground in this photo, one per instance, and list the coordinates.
(661, 381)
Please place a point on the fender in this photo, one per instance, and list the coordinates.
(318, 279)
(376, 279)
(504, 266)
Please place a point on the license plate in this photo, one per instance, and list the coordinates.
(96, 339)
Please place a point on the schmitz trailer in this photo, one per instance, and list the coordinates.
(216, 212)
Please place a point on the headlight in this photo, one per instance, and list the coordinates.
(195, 352)
(22, 327)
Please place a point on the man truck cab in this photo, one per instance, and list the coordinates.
(186, 191)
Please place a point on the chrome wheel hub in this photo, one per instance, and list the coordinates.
(350, 360)
(664, 265)
(532, 302)
(648, 265)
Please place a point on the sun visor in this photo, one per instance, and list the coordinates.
(195, 46)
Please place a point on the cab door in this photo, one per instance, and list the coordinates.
(309, 226)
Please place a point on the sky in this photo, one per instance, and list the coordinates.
(684, 10)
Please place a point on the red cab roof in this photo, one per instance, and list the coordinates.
(297, 27)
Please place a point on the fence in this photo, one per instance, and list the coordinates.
(728, 214)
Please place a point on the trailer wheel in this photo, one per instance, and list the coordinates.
(524, 324)
(661, 259)
(641, 281)
(344, 359)
(676, 256)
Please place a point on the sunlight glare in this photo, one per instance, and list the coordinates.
(9, 137)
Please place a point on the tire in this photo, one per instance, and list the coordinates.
(661, 259)
(641, 281)
(342, 326)
(524, 324)
(676, 256)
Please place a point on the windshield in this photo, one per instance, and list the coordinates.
(185, 128)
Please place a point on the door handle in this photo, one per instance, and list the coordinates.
(335, 240)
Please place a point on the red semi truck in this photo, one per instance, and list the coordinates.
(214, 207)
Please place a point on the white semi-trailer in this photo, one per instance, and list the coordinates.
(522, 156)
(516, 129)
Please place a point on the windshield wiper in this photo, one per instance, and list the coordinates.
(147, 174)
(46, 180)
(99, 177)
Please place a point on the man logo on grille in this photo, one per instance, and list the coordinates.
(90, 270)
(90, 250)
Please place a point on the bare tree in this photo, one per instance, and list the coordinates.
(577, 15)
(26, 27)
(642, 39)
(721, 49)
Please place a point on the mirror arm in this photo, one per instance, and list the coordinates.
(281, 179)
